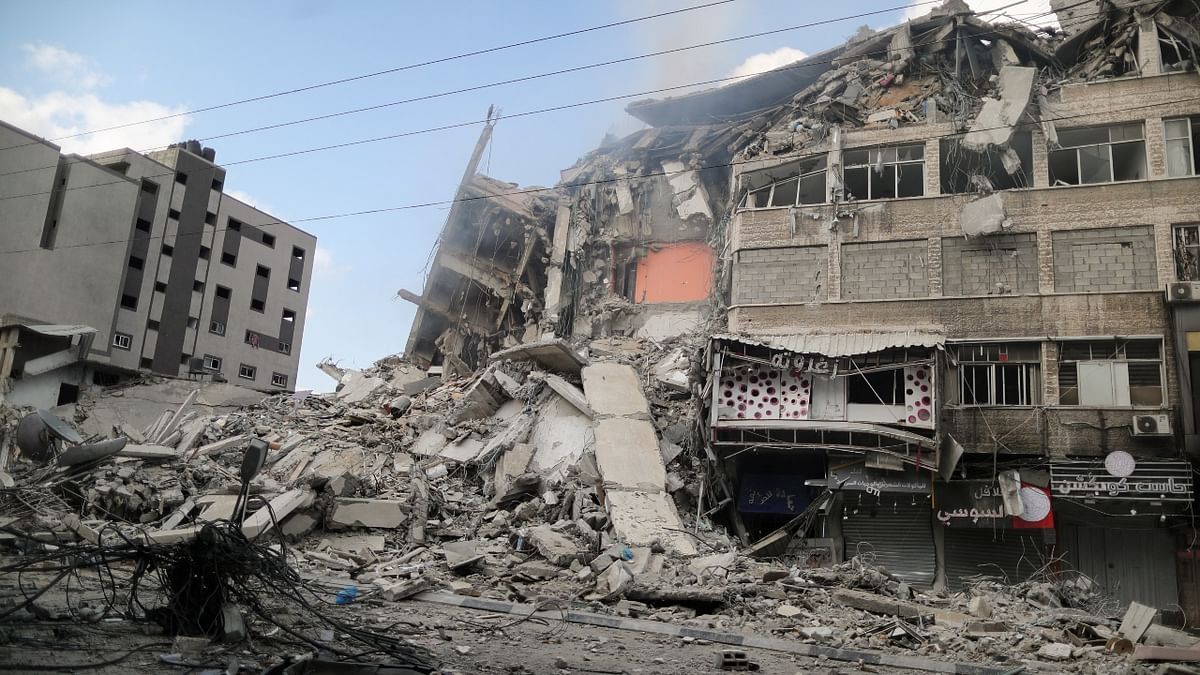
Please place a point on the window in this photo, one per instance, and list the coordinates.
(146, 362)
(293, 284)
(212, 363)
(247, 372)
(149, 187)
(223, 292)
(800, 182)
(279, 379)
(205, 252)
(251, 338)
(1110, 373)
(285, 347)
(210, 218)
(882, 387)
(142, 225)
(122, 341)
(884, 173)
(234, 225)
(229, 259)
(264, 272)
(1187, 252)
(216, 327)
(129, 301)
(173, 214)
(181, 178)
(168, 250)
(257, 305)
(160, 287)
(289, 315)
(136, 262)
(193, 322)
(1183, 146)
(152, 324)
(268, 240)
(999, 374)
(197, 285)
(217, 184)
(185, 359)
(1099, 155)
(963, 170)
(297, 253)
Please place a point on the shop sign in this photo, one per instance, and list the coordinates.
(772, 493)
(1106, 480)
(980, 503)
(877, 481)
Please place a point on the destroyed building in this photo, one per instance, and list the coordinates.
(125, 263)
(946, 268)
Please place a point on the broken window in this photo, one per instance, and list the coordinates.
(212, 363)
(1110, 373)
(1187, 252)
(1177, 52)
(884, 173)
(1183, 146)
(999, 373)
(964, 170)
(881, 387)
(1099, 155)
(801, 182)
(247, 372)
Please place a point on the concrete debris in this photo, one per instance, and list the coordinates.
(984, 216)
(994, 125)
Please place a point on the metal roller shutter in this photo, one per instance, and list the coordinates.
(996, 553)
(900, 536)
(1132, 565)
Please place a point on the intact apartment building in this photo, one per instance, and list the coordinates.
(124, 262)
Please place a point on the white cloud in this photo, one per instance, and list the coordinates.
(761, 63)
(74, 70)
(1036, 12)
(62, 113)
(325, 266)
(251, 200)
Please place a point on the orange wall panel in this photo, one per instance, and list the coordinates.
(675, 273)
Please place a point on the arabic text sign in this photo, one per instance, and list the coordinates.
(1150, 481)
(770, 493)
(878, 481)
(970, 503)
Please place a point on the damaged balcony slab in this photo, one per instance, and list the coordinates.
(554, 354)
(615, 390)
(383, 513)
(627, 453)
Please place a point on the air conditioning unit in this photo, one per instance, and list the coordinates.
(1151, 425)
(195, 364)
(1183, 291)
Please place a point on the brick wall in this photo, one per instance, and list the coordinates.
(773, 275)
(1105, 259)
(878, 270)
(993, 265)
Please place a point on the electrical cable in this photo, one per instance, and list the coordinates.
(60, 667)
(411, 66)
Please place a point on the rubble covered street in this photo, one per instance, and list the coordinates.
(862, 364)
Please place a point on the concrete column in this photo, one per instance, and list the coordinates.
(1156, 147)
(1041, 159)
(1049, 373)
(1164, 253)
(8, 351)
(833, 289)
(1148, 55)
(933, 167)
(934, 267)
(1045, 255)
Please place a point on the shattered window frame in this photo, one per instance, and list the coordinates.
(1186, 250)
(999, 365)
(212, 363)
(1134, 353)
(807, 170)
(1186, 146)
(1099, 155)
(884, 161)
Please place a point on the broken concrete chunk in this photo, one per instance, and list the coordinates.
(993, 126)
(356, 387)
(642, 518)
(461, 554)
(383, 513)
(979, 607)
(556, 548)
(570, 392)
(627, 454)
(983, 216)
(788, 611)
(879, 604)
(400, 590)
(614, 389)
(1055, 651)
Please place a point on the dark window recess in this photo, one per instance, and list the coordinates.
(964, 170)
(285, 347)
(173, 214)
(205, 253)
(142, 225)
(168, 250)
(160, 286)
(181, 178)
(152, 324)
(198, 285)
(258, 305)
(297, 253)
(216, 328)
(1187, 252)
(279, 379)
(289, 315)
(247, 372)
(268, 240)
(136, 262)
(210, 218)
(146, 362)
(67, 393)
(129, 301)
(184, 358)
(223, 292)
(149, 187)
(217, 185)
(234, 225)
(193, 322)
(264, 272)
(120, 167)
(102, 379)
(883, 387)
(229, 259)
(251, 338)
(293, 284)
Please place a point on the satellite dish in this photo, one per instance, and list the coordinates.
(38, 434)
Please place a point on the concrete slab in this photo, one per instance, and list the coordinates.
(560, 437)
(570, 392)
(614, 390)
(640, 517)
(627, 454)
(510, 465)
(429, 443)
(556, 548)
(994, 124)
(384, 513)
(357, 387)
(554, 354)
(465, 450)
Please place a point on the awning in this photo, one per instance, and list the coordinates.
(841, 344)
(61, 330)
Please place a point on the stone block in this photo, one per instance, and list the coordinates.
(556, 548)
(383, 513)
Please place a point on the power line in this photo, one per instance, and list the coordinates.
(525, 78)
(389, 71)
(798, 65)
(598, 181)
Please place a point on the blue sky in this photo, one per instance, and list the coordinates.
(67, 67)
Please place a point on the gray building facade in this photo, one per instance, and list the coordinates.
(177, 277)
